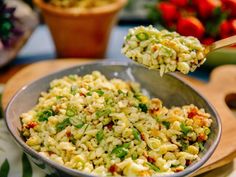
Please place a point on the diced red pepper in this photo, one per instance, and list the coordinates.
(150, 159)
(142, 136)
(188, 162)
(110, 125)
(192, 113)
(68, 133)
(113, 168)
(202, 137)
(31, 125)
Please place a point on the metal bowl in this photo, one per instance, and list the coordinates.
(169, 88)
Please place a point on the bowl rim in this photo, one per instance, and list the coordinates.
(34, 153)
(75, 11)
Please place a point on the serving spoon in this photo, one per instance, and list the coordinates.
(168, 51)
(222, 43)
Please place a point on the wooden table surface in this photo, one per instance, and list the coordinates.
(228, 170)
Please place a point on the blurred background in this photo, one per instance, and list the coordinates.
(48, 29)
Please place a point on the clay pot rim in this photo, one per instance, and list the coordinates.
(115, 6)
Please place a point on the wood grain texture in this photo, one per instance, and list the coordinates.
(222, 82)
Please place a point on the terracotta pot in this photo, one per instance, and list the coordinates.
(80, 33)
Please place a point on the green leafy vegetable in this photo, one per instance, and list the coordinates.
(61, 126)
(142, 36)
(99, 92)
(44, 115)
(185, 129)
(27, 168)
(143, 107)
(166, 124)
(153, 167)
(136, 134)
(99, 136)
(104, 112)
(5, 168)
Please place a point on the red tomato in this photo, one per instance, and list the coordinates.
(233, 26)
(228, 28)
(206, 7)
(208, 41)
(230, 5)
(180, 3)
(168, 11)
(190, 26)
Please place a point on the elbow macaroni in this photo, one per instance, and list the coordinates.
(108, 127)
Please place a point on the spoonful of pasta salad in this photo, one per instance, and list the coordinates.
(168, 51)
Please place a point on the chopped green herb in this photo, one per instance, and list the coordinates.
(125, 145)
(153, 167)
(136, 134)
(173, 165)
(59, 97)
(89, 94)
(137, 97)
(184, 144)
(76, 121)
(201, 146)
(73, 89)
(99, 136)
(120, 92)
(142, 36)
(128, 37)
(85, 128)
(104, 113)
(44, 115)
(185, 129)
(99, 92)
(165, 51)
(80, 125)
(61, 126)
(134, 156)
(71, 111)
(73, 140)
(143, 107)
(166, 124)
(120, 152)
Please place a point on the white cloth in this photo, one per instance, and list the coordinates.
(10, 151)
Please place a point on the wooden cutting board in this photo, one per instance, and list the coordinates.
(222, 86)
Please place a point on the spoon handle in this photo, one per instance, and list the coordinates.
(223, 43)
